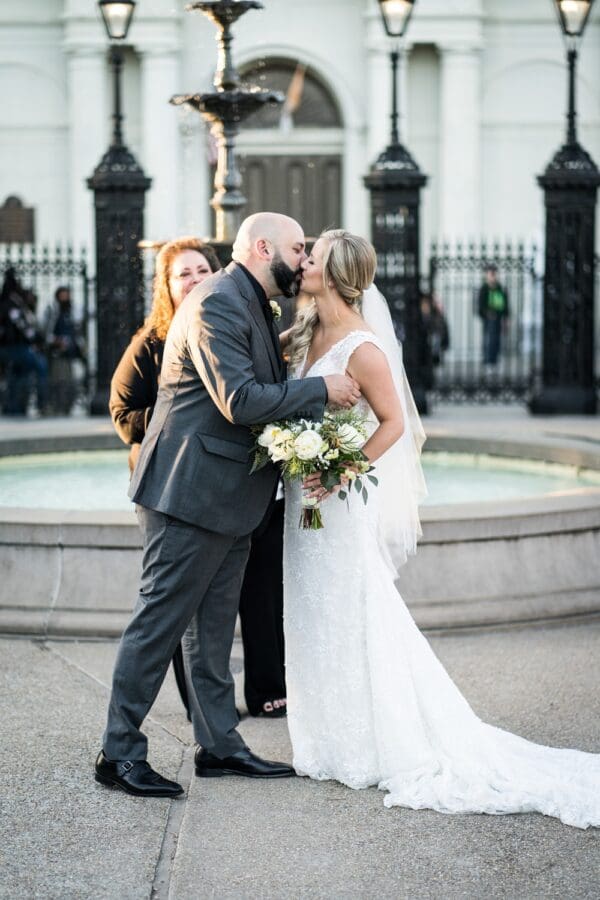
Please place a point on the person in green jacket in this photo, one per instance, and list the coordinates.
(494, 312)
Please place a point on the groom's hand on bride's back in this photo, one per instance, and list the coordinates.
(342, 390)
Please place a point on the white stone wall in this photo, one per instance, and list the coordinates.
(34, 112)
(483, 98)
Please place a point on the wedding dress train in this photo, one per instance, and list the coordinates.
(369, 703)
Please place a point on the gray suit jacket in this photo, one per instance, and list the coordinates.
(221, 373)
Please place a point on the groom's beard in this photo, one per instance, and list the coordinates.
(286, 279)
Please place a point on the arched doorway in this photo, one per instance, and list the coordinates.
(291, 156)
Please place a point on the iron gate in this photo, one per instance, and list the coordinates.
(456, 274)
(42, 271)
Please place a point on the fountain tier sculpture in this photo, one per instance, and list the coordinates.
(225, 108)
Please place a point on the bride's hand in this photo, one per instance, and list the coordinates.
(312, 485)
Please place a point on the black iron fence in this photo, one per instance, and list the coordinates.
(41, 270)
(44, 269)
(471, 368)
(455, 276)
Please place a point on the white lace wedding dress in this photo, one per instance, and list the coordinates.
(369, 703)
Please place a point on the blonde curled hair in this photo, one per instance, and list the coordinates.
(349, 262)
(162, 312)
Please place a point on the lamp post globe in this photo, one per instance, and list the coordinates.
(117, 16)
(395, 15)
(573, 16)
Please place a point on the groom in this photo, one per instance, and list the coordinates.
(197, 504)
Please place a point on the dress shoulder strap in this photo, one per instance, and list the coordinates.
(354, 340)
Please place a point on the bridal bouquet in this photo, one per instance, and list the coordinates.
(331, 447)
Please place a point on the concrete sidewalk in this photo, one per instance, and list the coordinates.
(494, 420)
(64, 836)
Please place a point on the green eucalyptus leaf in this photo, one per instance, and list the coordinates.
(331, 479)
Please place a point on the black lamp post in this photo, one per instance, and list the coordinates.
(570, 185)
(395, 15)
(572, 16)
(395, 183)
(119, 185)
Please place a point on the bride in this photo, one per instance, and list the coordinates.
(369, 703)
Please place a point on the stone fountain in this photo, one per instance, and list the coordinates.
(225, 108)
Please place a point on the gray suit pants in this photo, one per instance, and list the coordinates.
(191, 582)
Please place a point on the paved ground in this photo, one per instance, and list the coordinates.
(499, 420)
(63, 836)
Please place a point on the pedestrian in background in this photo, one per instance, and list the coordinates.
(21, 348)
(64, 347)
(494, 312)
(436, 328)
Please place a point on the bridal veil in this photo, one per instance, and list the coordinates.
(399, 470)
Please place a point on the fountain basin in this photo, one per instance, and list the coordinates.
(480, 563)
(99, 480)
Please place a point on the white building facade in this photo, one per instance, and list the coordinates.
(483, 101)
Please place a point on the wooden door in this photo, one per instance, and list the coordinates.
(308, 188)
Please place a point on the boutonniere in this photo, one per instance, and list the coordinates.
(275, 309)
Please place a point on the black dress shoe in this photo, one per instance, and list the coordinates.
(244, 762)
(135, 777)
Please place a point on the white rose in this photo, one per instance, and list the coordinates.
(281, 452)
(268, 435)
(349, 437)
(309, 444)
(281, 448)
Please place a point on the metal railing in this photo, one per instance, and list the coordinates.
(42, 270)
(456, 275)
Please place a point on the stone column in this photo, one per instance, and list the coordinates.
(88, 134)
(197, 153)
(160, 140)
(355, 199)
(460, 142)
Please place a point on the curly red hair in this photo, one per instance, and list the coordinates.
(162, 311)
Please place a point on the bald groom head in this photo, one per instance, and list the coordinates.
(271, 246)
(269, 226)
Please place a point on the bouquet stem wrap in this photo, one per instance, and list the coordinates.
(311, 517)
